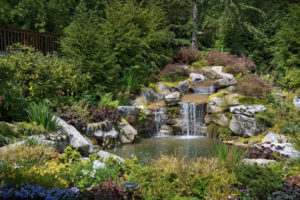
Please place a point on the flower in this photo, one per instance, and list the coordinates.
(229, 197)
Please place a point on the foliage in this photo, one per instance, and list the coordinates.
(220, 132)
(42, 76)
(28, 129)
(266, 117)
(292, 79)
(73, 118)
(7, 134)
(266, 153)
(230, 156)
(70, 155)
(42, 115)
(172, 177)
(286, 192)
(27, 191)
(188, 55)
(172, 79)
(103, 113)
(286, 53)
(106, 101)
(260, 181)
(174, 70)
(220, 94)
(253, 86)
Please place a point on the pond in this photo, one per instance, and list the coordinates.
(151, 148)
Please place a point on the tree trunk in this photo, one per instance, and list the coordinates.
(195, 19)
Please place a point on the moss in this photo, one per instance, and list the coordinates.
(173, 111)
(124, 120)
(251, 101)
(220, 132)
(154, 86)
(222, 93)
(249, 140)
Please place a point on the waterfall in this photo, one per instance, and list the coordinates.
(193, 118)
(160, 119)
(204, 90)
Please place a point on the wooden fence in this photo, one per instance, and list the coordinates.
(44, 42)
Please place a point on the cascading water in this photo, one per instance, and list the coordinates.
(193, 117)
(160, 119)
(204, 90)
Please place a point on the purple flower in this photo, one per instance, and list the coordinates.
(229, 197)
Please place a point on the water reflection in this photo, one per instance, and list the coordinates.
(152, 148)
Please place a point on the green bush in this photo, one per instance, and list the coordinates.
(106, 101)
(70, 155)
(42, 115)
(292, 79)
(266, 117)
(29, 129)
(261, 181)
(7, 134)
(221, 132)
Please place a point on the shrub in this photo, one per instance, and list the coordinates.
(7, 134)
(73, 118)
(261, 181)
(70, 155)
(253, 86)
(174, 70)
(172, 177)
(42, 115)
(219, 58)
(42, 76)
(266, 153)
(103, 113)
(187, 55)
(266, 117)
(286, 192)
(106, 101)
(28, 129)
(221, 132)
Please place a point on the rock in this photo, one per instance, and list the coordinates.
(217, 69)
(165, 130)
(176, 125)
(245, 126)
(76, 139)
(216, 104)
(221, 119)
(163, 89)
(274, 138)
(183, 86)
(232, 99)
(130, 113)
(139, 101)
(248, 110)
(173, 98)
(226, 76)
(210, 73)
(297, 102)
(287, 149)
(259, 161)
(128, 133)
(230, 88)
(105, 155)
(104, 132)
(225, 82)
(151, 96)
(175, 69)
(197, 78)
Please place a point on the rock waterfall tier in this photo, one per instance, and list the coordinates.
(193, 118)
(160, 119)
(204, 90)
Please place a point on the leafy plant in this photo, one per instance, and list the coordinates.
(261, 181)
(253, 86)
(70, 155)
(187, 55)
(106, 101)
(42, 115)
(73, 118)
(7, 134)
(103, 113)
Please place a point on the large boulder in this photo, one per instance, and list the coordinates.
(272, 137)
(216, 104)
(151, 96)
(248, 110)
(225, 82)
(173, 98)
(232, 99)
(245, 126)
(76, 139)
(128, 133)
(104, 132)
(175, 69)
(297, 102)
(106, 155)
(197, 78)
(221, 119)
(210, 73)
(130, 113)
(183, 86)
(164, 89)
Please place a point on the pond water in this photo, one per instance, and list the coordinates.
(151, 148)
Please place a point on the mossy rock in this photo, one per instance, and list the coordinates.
(220, 94)
(220, 132)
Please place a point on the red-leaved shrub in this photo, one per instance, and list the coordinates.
(72, 118)
(233, 63)
(253, 86)
(187, 55)
(103, 113)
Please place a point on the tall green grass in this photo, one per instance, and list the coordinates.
(42, 115)
(230, 156)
